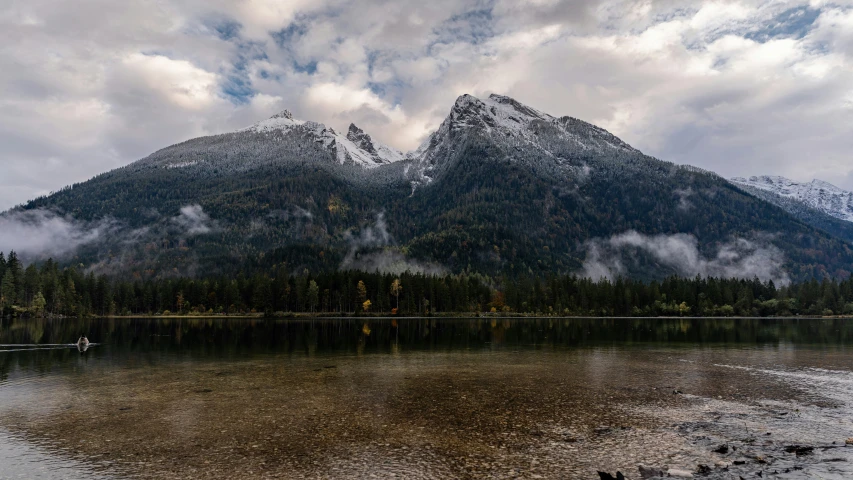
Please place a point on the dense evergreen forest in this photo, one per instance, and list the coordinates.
(48, 289)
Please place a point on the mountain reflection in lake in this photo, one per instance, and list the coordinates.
(427, 398)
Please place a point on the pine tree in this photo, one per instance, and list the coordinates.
(14, 266)
(8, 292)
(313, 294)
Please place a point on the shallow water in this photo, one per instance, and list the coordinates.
(425, 398)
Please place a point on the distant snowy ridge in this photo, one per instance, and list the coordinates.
(355, 147)
(817, 194)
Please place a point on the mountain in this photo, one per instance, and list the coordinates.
(544, 142)
(499, 188)
(818, 203)
(817, 194)
(354, 148)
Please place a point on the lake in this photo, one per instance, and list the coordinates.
(425, 398)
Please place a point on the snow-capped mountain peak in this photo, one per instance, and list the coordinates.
(284, 114)
(506, 118)
(517, 127)
(281, 121)
(817, 194)
(497, 112)
(284, 122)
(355, 147)
(522, 131)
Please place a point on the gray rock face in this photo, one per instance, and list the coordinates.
(650, 472)
(360, 139)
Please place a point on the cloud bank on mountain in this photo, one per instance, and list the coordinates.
(680, 253)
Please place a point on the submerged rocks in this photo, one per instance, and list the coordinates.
(799, 449)
(607, 476)
(722, 449)
(650, 472)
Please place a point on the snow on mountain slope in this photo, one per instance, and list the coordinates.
(517, 127)
(280, 121)
(817, 194)
(501, 115)
(379, 152)
(356, 146)
(529, 133)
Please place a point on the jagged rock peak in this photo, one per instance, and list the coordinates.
(353, 130)
(356, 147)
(280, 121)
(283, 114)
(360, 139)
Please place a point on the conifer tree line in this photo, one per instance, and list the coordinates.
(49, 289)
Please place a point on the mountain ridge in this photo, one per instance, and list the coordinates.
(817, 194)
(499, 188)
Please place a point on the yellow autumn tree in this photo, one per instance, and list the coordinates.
(362, 291)
(396, 288)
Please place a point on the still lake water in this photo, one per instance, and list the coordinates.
(425, 398)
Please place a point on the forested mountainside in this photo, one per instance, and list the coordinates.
(499, 188)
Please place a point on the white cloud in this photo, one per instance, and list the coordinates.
(37, 234)
(194, 221)
(715, 15)
(343, 104)
(679, 254)
(179, 81)
(262, 16)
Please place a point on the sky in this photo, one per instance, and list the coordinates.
(742, 87)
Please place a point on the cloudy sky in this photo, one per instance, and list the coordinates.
(740, 87)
